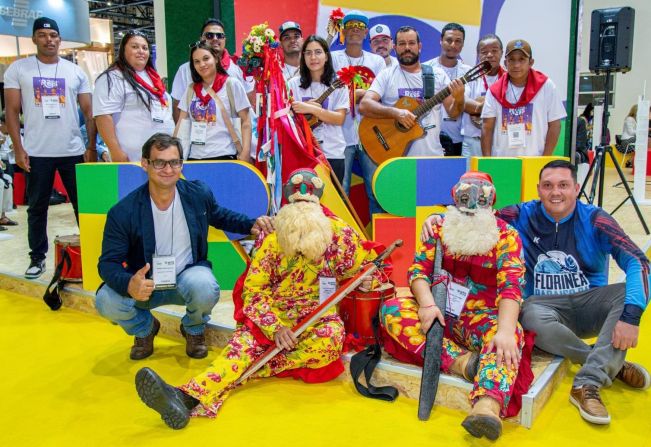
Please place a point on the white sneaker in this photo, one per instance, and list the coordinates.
(35, 269)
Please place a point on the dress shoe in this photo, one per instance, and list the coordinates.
(171, 403)
(195, 345)
(143, 347)
(588, 401)
(634, 375)
(484, 419)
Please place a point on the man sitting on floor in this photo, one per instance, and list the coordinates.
(292, 270)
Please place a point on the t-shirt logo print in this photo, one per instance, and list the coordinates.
(557, 273)
(49, 87)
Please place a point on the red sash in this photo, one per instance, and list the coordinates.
(535, 81)
(217, 84)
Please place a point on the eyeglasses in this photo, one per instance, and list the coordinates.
(211, 36)
(159, 164)
(310, 53)
(355, 25)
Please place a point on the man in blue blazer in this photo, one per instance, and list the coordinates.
(155, 247)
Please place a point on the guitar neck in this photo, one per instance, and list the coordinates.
(438, 98)
(325, 94)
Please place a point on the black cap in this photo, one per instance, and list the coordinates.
(289, 25)
(45, 23)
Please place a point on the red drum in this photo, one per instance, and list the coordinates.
(67, 253)
(358, 309)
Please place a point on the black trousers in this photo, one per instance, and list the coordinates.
(337, 165)
(39, 189)
(450, 149)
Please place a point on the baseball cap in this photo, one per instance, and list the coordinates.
(45, 23)
(355, 15)
(518, 44)
(289, 25)
(380, 30)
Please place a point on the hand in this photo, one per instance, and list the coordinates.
(285, 338)
(22, 159)
(245, 157)
(427, 231)
(263, 223)
(119, 157)
(140, 288)
(625, 335)
(427, 315)
(506, 348)
(305, 108)
(90, 156)
(457, 90)
(405, 118)
(366, 284)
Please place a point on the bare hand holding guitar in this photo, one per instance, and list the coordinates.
(405, 118)
(309, 107)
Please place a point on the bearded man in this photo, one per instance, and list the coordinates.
(484, 272)
(292, 270)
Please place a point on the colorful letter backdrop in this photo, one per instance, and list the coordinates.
(236, 186)
(412, 188)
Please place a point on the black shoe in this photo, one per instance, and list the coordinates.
(56, 198)
(171, 403)
(35, 269)
(195, 345)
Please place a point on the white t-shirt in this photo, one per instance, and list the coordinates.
(49, 137)
(134, 124)
(330, 137)
(474, 90)
(183, 78)
(451, 126)
(545, 107)
(376, 64)
(218, 140)
(393, 61)
(171, 233)
(394, 83)
(630, 127)
(290, 72)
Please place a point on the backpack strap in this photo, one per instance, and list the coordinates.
(428, 81)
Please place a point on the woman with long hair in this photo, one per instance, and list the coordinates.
(211, 102)
(583, 132)
(316, 76)
(130, 103)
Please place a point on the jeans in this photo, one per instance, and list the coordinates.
(471, 147)
(561, 321)
(39, 189)
(368, 169)
(196, 288)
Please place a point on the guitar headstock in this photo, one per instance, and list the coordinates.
(477, 71)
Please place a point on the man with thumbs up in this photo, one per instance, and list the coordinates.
(154, 250)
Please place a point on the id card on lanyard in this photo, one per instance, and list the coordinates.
(198, 132)
(51, 107)
(164, 272)
(457, 296)
(158, 112)
(327, 286)
(516, 134)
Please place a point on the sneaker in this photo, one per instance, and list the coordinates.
(634, 375)
(35, 269)
(588, 401)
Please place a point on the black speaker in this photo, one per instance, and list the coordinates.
(611, 39)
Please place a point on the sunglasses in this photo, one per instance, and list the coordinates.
(354, 25)
(211, 36)
(159, 164)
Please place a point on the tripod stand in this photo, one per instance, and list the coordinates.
(598, 166)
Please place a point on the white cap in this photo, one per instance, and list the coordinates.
(380, 30)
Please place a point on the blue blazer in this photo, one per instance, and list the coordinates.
(129, 241)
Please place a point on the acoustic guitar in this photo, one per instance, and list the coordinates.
(386, 138)
(312, 120)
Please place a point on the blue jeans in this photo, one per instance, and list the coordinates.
(368, 169)
(196, 288)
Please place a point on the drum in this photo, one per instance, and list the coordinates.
(358, 308)
(67, 253)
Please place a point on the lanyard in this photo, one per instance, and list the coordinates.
(56, 69)
(515, 98)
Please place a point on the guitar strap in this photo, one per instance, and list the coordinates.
(428, 81)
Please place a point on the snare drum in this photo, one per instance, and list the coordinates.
(70, 248)
(358, 308)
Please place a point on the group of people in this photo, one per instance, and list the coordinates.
(539, 266)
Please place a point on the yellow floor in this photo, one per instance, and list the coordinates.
(66, 380)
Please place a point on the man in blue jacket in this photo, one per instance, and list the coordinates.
(154, 250)
(566, 248)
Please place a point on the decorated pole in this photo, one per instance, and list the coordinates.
(310, 319)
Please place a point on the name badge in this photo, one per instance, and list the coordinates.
(327, 286)
(164, 272)
(157, 112)
(51, 107)
(516, 134)
(457, 295)
(198, 132)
